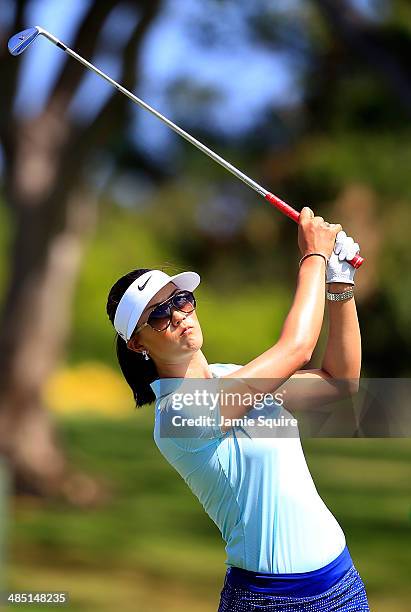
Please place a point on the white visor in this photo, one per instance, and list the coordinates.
(140, 292)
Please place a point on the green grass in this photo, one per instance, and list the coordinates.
(152, 548)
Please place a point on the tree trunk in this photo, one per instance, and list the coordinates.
(52, 213)
(34, 325)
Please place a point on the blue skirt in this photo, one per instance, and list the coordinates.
(337, 587)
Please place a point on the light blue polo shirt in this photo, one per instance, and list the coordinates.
(257, 490)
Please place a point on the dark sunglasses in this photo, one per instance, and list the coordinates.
(160, 317)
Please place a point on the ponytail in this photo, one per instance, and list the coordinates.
(137, 371)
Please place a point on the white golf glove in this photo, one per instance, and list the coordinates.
(338, 269)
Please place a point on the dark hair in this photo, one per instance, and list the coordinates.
(137, 371)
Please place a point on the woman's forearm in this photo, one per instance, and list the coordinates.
(342, 358)
(302, 326)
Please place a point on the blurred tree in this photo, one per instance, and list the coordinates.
(52, 209)
(385, 48)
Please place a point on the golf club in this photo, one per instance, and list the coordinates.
(19, 43)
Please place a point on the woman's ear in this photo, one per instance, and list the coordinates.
(135, 345)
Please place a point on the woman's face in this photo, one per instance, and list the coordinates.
(181, 339)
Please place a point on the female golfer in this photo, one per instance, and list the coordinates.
(285, 550)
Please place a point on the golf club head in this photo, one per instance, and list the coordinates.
(19, 42)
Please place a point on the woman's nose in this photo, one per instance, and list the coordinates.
(177, 316)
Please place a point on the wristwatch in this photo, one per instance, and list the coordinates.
(340, 297)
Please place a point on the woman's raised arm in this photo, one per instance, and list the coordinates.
(302, 326)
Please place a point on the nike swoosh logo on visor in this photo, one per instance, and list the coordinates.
(142, 286)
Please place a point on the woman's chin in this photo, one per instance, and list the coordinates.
(192, 342)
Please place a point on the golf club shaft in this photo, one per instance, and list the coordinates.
(282, 206)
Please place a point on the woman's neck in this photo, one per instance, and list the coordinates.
(196, 367)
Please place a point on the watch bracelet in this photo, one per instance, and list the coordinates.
(340, 296)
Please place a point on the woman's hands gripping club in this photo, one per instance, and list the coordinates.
(317, 236)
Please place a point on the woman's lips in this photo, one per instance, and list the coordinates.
(186, 331)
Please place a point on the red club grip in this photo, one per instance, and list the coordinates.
(288, 210)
